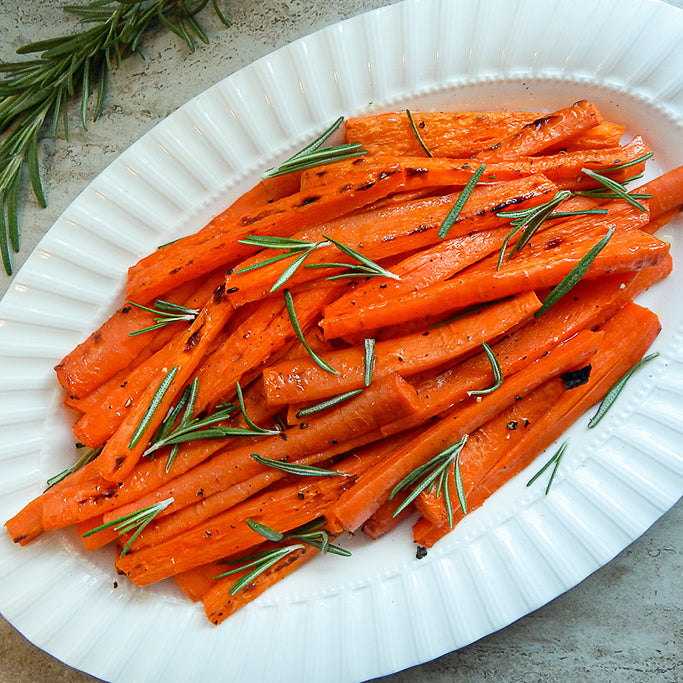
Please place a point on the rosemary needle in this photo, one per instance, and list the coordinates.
(616, 389)
(497, 373)
(417, 135)
(460, 202)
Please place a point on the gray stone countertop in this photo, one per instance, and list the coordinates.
(623, 623)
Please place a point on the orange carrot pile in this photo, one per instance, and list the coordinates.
(359, 342)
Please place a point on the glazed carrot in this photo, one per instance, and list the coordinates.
(666, 191)
(545, 265)
(257, 340)
(490, 442)
(457, 134)
(283, 509)
(551, 129)
(356, 505)
(219, 604)
(165, 525)
(388, 232)
(628, 335)
(197, 581)
(303, 380)
(208, 249)
(383, 520)
(110, 348)
(122, 450)
(381, 402)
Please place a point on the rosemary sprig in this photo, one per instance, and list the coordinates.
(153, 406)
(417, 135)
(203, 428)
(133, 521)
(310, 534)
(555, 462)
(297, 468)
(460, 202)
(497, 373)
(315, 155)
(435, 473)
(258, 563)
(328, 403)
(166, 313)
(614, 189)
(365, 267)
(35, 92)
(88, 456)
(289, 303)
(529, 221)
(575, 274)
(616, 389)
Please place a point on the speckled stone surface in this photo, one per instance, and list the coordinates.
(623, 623)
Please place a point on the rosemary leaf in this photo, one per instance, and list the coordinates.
(460, 202)
(555, 462)
(296, 468)
(328, 403)
(312, 155)
(616, 188)
(369, 264)
(576, 273)
(434, 474)
(133, 521)
(261, 563)
(166, 313)
(417, 135)
(616, 389)
(497, 373)
(88, 456)
(153, 406)
(289, 303)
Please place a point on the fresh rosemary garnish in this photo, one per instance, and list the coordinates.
(627, 164)
(497, 373)
(614, 189)
(575, 274)
(36, 92)
(289, 303)
(258, 563)
(312, 534)
(616, 389)
(315, 155)
(417, 135)
(435, 474)
(293, 247)
(460, 202)
(328, 403)
(166, 313)
(133, 521)
(202, 428)
(529, 220)
(88, 456)
(555, 461)
(297, 468)
(368, 360)
(153, 406)
(365, 267)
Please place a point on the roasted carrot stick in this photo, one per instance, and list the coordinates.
(283, 509)
(545, 267)
(208, 249)
(627, 336)
(356, 505)
(457, 134)
(551, 129)
(218, 601)
(303, 380)
(381, 402)
(388, 232)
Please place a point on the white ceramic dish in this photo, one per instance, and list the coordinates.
(364, 617)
